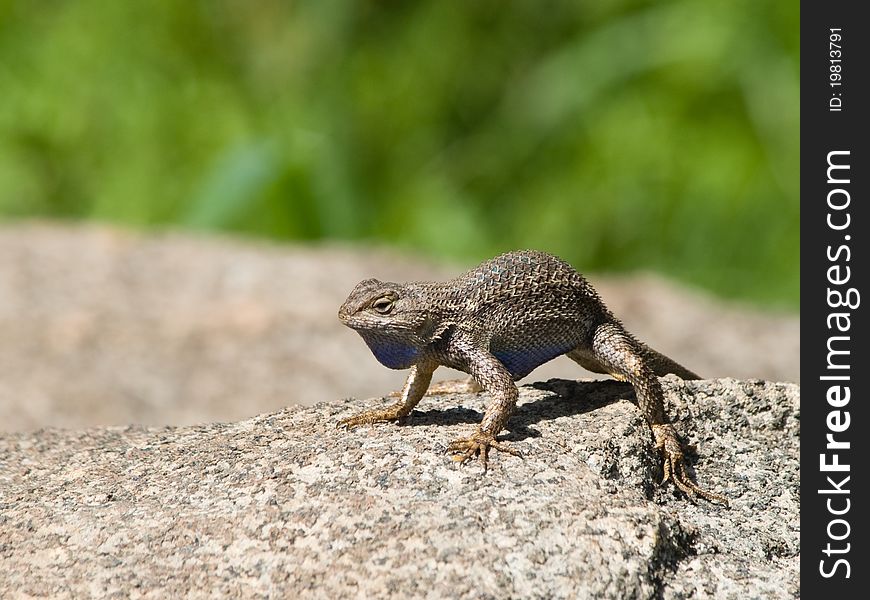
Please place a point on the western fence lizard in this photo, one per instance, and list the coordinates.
(498, 322)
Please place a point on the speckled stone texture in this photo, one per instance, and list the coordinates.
(285, 505)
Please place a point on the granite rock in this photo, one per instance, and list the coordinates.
(285, 505)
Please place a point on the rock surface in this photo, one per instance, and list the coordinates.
(284, 505)
(106, 327)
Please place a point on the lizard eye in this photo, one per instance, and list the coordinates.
(383, 305)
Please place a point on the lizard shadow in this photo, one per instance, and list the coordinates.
(566, 398)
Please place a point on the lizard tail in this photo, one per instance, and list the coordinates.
(662, 365)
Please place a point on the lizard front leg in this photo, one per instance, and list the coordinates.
(495, 379)
(621, 354)
(414, 389)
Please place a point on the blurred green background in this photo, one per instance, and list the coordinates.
(620, 135)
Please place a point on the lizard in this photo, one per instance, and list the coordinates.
(498, 322)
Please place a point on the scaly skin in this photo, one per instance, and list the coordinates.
(498, 322)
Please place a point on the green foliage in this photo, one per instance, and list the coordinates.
(620, 135)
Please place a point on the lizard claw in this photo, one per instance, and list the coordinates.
(464, 449)
(675, 468)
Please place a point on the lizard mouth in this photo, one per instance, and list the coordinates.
(359, 322)
(343, 316)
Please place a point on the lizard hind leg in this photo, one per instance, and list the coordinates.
(618, 351)
(660, 364)
(586, 359)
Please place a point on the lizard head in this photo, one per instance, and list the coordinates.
(388, 317)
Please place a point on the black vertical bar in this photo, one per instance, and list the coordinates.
(835, 66)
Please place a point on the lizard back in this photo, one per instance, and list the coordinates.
(529, 306)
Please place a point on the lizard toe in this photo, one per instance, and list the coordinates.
(674, 466)
(479, 444)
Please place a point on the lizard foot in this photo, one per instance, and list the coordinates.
(675, 468)
(479, 443)
(370, 417)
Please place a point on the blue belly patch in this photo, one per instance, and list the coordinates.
(522, 361)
